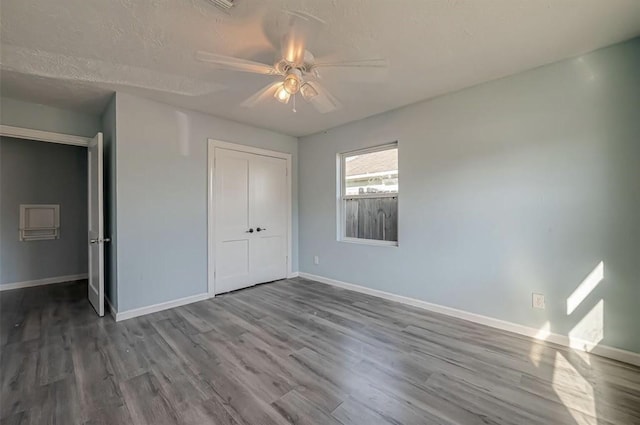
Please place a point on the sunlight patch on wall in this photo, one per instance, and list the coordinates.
(585, 69)
(585, 288)
(590, 330)
(182, 120)
(575, 392)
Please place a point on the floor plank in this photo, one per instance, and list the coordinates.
(292, 351)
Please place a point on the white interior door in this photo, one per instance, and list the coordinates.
(268, 214)
(250, 219)
(96, 224)
(232, 220)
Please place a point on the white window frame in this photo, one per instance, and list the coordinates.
(342, 198)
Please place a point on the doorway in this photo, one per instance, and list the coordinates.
(52, 211)
(249, 216)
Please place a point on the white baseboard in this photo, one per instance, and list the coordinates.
(130, 314)
(600, 350)
(112, 310)
(45, 281)
(136, 312)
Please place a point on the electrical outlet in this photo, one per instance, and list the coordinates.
(316, 260)
(538, 301)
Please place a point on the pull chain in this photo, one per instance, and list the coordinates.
(294, 103)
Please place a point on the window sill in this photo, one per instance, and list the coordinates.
(371, 242)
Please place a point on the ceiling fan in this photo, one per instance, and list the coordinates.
(295, 66)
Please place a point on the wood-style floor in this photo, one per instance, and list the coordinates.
(292, 351)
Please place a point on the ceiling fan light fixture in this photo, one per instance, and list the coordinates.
(292, 81)
(282, 95)
(308, 91)
(295, 69)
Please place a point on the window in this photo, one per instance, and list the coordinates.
(368, 196)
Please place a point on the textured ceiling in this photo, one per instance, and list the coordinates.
(74, 53)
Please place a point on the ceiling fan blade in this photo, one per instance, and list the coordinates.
(360, 71)
(363, 64)
(324, 102)
(302, 28)
(264, 93)
(235, 64)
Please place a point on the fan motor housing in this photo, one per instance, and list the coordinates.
(283, 66)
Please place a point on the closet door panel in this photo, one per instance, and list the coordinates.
(231, 200)
(268, 215)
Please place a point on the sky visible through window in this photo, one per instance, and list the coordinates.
(374, 172)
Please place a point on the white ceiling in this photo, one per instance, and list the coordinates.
(74, 53)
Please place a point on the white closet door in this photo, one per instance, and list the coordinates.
(232, 220)
(250, 194)
(268, 215)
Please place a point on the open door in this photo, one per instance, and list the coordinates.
(96, 225)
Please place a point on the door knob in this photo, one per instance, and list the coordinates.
(250, 231)
(93, 241)
(260, 229)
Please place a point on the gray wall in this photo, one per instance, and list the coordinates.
(42, 173)
(108, 123)
(162, 197)
(519, 185)
(46, 118)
